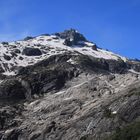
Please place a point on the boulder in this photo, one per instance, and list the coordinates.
(94, 47)
(31, 51)
(5, 43)
(17, 51)
(14, 54)
(7, 57)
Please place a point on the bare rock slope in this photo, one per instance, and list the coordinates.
(63, 87)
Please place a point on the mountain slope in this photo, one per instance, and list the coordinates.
(63, 87)
(22, 53)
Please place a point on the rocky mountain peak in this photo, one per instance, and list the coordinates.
(72, 37)
(63, 87)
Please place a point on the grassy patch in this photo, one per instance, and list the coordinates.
(134, 91)
(130, 132)
(84, 138)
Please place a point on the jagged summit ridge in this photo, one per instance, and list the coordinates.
(71, 33)
(72, 37)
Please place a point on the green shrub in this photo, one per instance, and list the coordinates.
(84, 137)
(130, 132)
(134, 91)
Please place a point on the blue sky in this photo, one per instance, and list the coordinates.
(111, 24)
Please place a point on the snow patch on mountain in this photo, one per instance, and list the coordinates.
(49, 45)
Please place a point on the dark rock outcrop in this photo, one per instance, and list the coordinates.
(94, 47)
(99, 64)
(68, 42)
(12, 90)
(72, 37)
(48, 75)
(32, 51)
(28, 38)
(5, 43)
(135, 65)
(7, 57)
(17, 51)
(117, 66)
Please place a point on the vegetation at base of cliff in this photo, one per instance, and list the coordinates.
(86, 137)
(134, 91)
(130, 132)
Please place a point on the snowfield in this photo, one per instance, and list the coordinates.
(49, 45)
